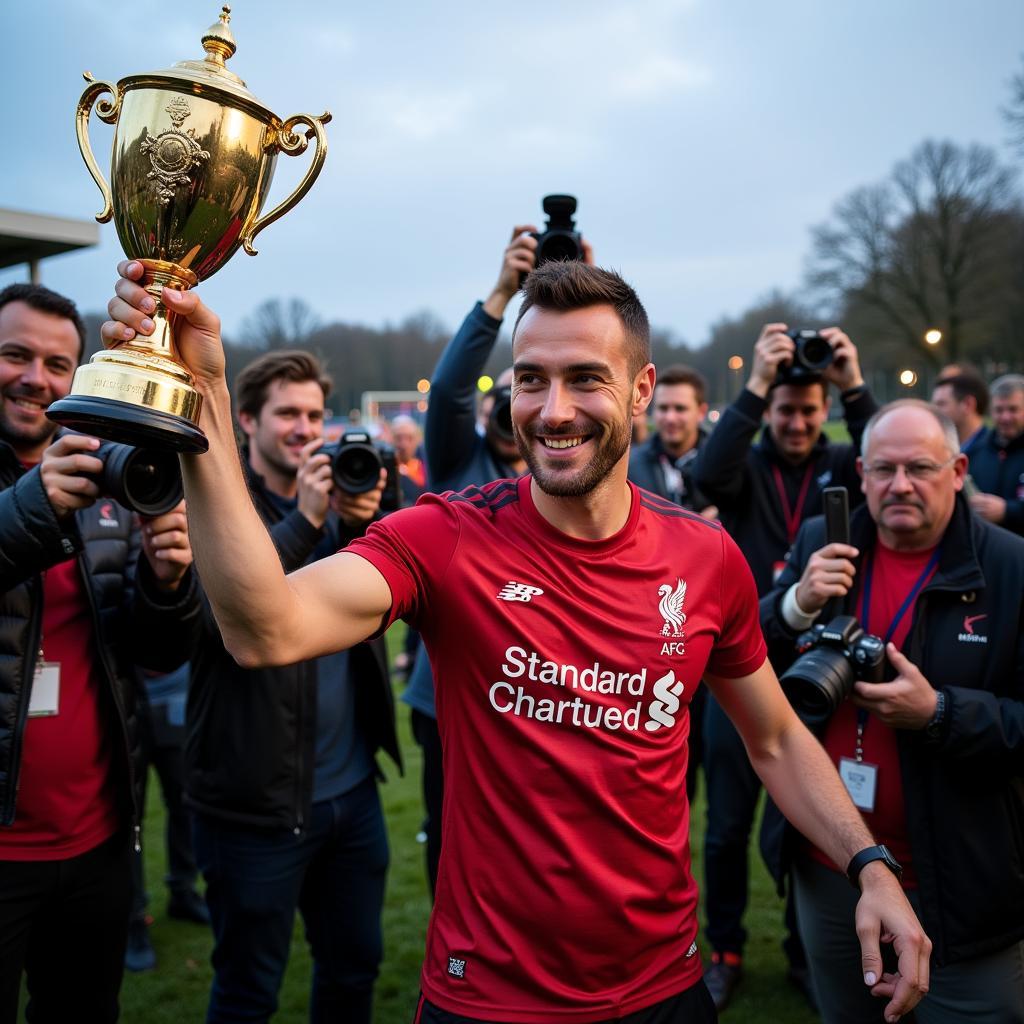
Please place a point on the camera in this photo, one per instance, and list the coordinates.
(500, 419)
(559, 240)
(812, 354)
(140, 479)
(832, 658)
(356, 462)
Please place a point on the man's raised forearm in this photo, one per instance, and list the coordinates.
(238, 565)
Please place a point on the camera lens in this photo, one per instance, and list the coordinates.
(814, 353)
(816, 683)
(501, 414)
(559, 247)
(356, 467)
(142, 480)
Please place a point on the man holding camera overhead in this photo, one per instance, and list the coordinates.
(763, 492)
(80, 608)
(469, 446)
(934, 755)
(280, 760)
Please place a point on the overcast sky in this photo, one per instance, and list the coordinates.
(702, 137)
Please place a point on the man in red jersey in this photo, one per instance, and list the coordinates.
(932, 756)
(569, 617)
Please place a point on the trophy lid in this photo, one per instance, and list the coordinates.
(211, 73)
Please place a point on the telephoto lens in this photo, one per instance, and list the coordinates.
(141, 479)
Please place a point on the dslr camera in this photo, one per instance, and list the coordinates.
(812, 354)
(356, 462)
(832, 658)
(140, 479)
(559, 240)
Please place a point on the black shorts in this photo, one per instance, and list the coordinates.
(691, 1006)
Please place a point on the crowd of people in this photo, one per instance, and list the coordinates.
(589, 624)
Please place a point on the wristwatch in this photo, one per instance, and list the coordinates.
(933, 730)
(881, 853)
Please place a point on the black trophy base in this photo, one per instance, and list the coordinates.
(129, 424)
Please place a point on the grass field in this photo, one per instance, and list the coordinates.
(176, 991)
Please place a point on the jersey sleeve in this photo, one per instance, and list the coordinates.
(411, 549)
(740, 648)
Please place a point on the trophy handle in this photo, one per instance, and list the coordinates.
(293, 144)
(106, 110)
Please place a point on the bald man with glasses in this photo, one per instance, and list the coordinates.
(934, 755)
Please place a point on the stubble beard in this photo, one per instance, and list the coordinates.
(565, 484)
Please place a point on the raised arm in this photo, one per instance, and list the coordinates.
(265, 617)
(450, 433)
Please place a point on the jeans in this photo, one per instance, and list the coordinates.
(333, 872)
(65, 923)
(733, 789)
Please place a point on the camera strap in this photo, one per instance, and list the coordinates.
(792, 516)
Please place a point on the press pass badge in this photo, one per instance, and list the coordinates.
(45, 699)
(860, 779)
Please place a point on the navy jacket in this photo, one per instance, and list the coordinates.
(135, 623)
(964, 791)
(645, 471)
(998, 468)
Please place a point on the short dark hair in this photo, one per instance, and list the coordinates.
(566, 286)
(682, 374)
(44, 300)
(967, 384)
(811, 380)
(253, 383)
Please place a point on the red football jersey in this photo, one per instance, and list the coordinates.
(563, 671)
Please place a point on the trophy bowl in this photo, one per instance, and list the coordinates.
(192, 161)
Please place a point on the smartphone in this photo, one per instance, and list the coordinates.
(837, 515)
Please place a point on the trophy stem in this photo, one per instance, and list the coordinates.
(139, 392)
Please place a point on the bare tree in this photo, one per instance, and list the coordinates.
(928, 248)
(279, 324)
(1013, 112)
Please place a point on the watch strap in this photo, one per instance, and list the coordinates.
(866, 856)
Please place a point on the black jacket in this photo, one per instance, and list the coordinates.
(737, 476)
(134, 622)
(645, 471)
(250, 751)
(998, 468)
(965, 790)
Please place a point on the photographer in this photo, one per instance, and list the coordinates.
(280, 761)
(933, 756)
(763, 492)
(459, 455)
(80, 607)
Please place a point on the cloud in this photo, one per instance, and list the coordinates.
(656, 76)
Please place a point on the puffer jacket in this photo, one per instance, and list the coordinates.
(135, 623)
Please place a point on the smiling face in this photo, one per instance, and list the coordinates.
(38, 356)
(796, 413)
(291, 417)
(1008, 414)
(677, 416)
(573, 398)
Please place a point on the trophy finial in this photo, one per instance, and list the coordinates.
(218, 41)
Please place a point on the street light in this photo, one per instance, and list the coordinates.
(933, 336)
(423, 386)
(908, 378)
(485, 383)
(736, 362)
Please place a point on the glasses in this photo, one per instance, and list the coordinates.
(919, 470)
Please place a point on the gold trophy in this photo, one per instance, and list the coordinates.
(193, 157)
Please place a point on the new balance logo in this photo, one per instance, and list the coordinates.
(513, 591)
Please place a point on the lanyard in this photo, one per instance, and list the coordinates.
(865, 605)
(865, 600)
(792, 515)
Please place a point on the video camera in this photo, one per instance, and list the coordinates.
(559, 240)
(356, 462)
(140, 479)
(834, 656)
(811, 356)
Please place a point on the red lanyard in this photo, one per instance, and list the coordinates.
(792, 515)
